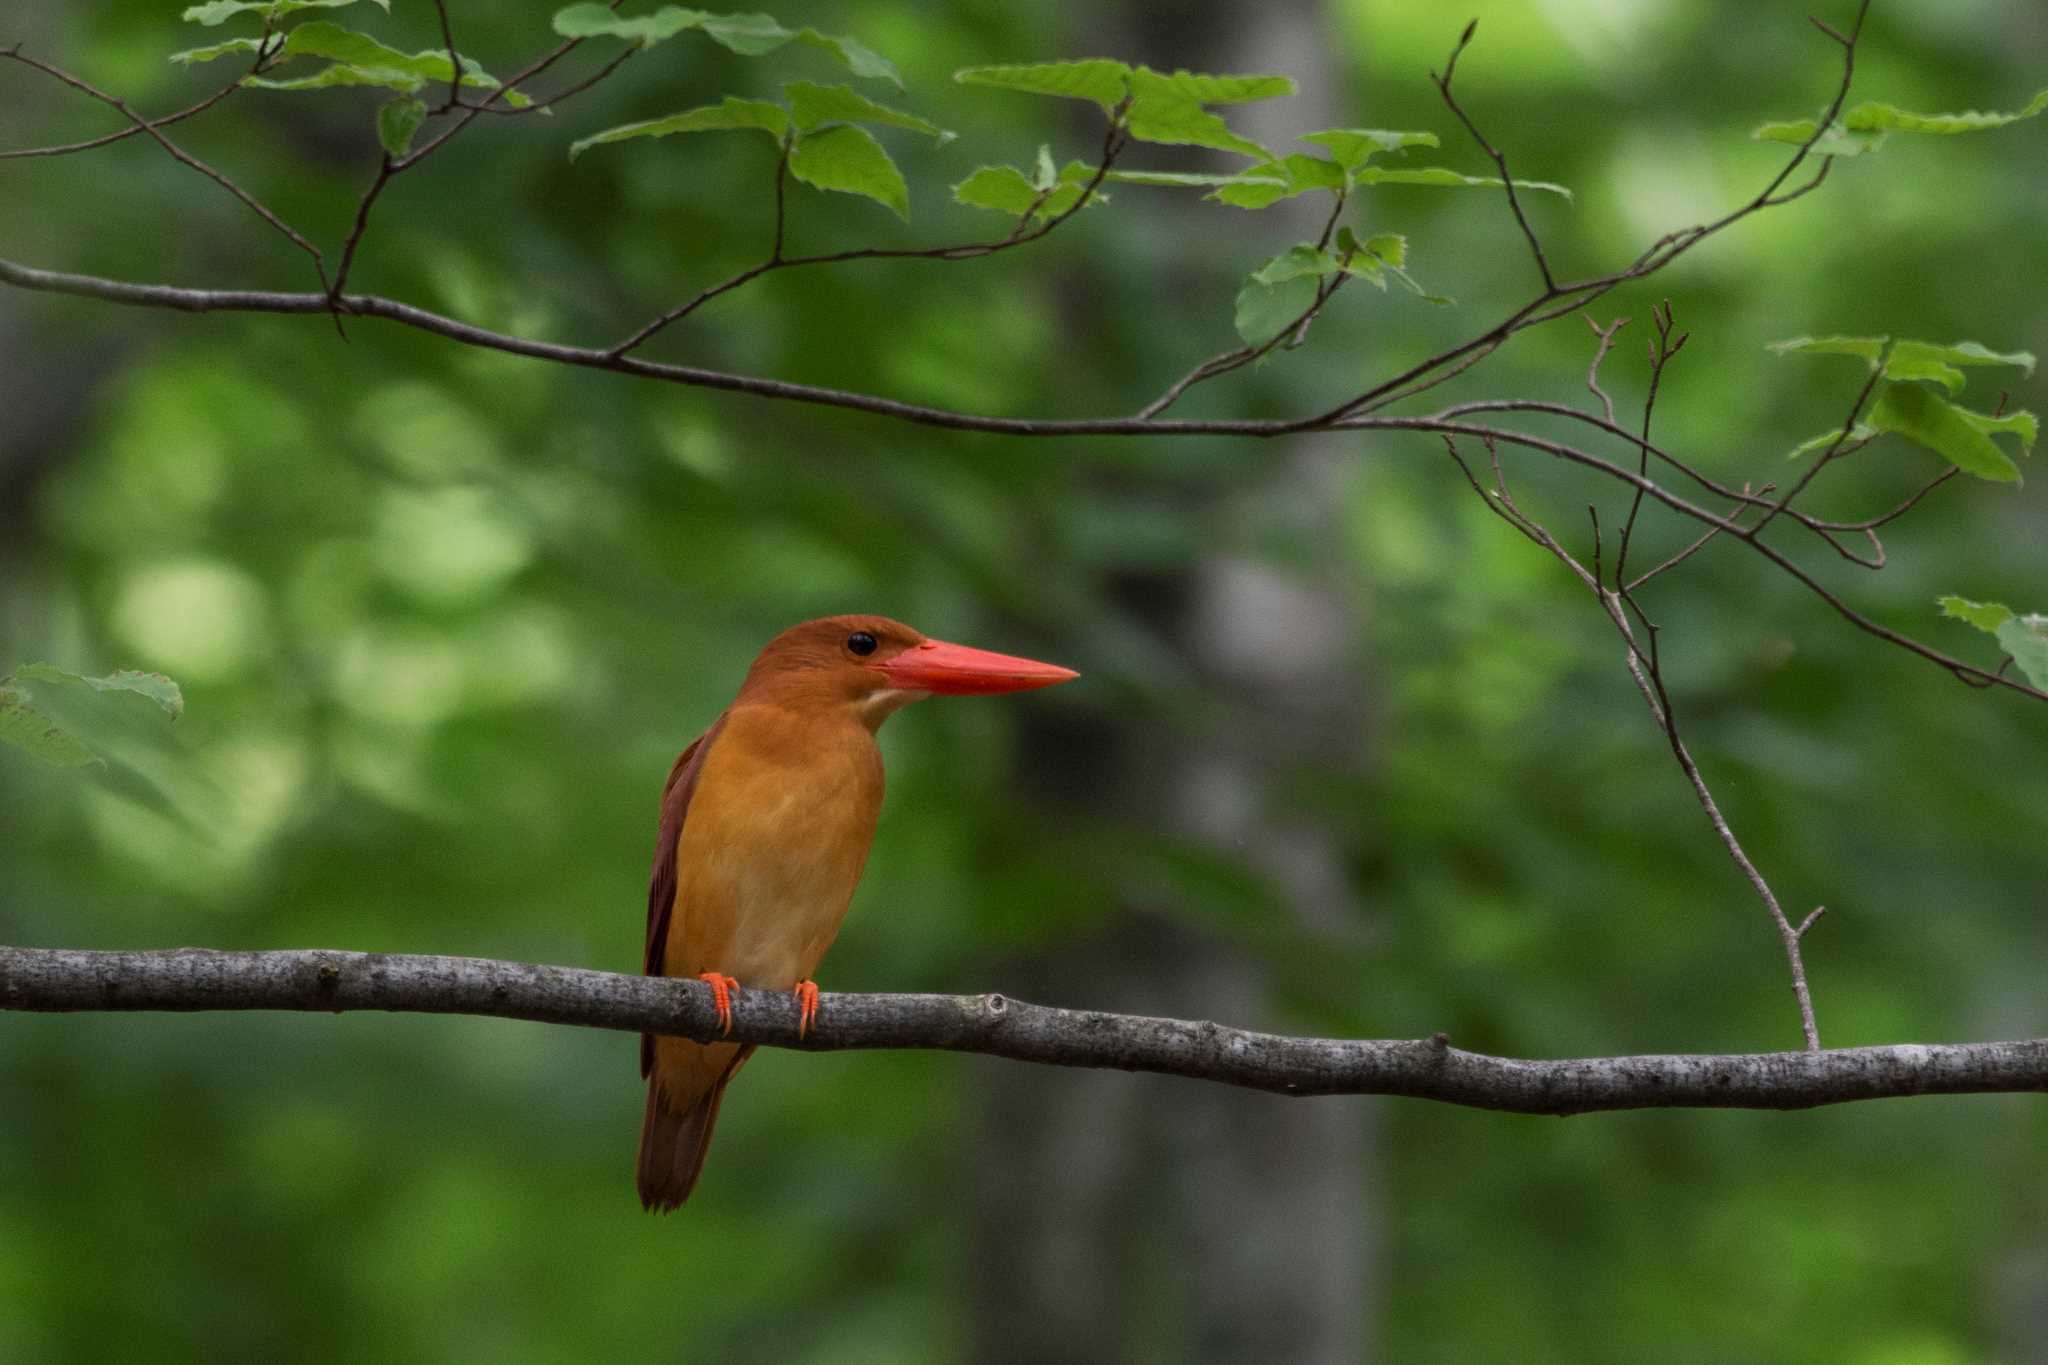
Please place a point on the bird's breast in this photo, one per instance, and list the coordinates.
(773, 846)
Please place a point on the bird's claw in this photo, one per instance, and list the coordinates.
(722, 987)
(806, 992)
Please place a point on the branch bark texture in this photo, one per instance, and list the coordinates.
(318, 980)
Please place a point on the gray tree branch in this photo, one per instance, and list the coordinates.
(318, 980)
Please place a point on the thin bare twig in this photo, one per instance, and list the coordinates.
(1661, 350)
(1500, 161)
(183, 157)
(1113, 143)
(108, 139)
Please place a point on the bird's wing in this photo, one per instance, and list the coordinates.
(661, 886)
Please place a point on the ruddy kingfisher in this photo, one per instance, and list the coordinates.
(765, 825)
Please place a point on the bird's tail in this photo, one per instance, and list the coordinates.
(675, 1135)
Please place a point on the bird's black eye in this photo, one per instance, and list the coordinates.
(860, 642)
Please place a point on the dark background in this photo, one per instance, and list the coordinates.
(1347, 757)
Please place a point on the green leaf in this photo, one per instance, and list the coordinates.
(1265, 311)
(1166, 109)
(29, 725)
(849, 160)
(220, 49)
(36, 733)
(218, 12)
(2022, 424)
(1985, 616)
(1177, 178)
(152, 686)
(1438, 175)
(750, 35)
(1961, 437)
(1278, 293)
(1169, 109)
(1868, 348)
(397, 121)
(733, 112)
(601, 21)
(1297, 262)
(1045, 175)
(1284, 178)
(2026, 639)
(814, 105)
(1390, 247)
(1862, 431)
(1865, 128)
(1008, 190)
(860, 59)
(1910, 360)
(1099, 79)
(1925, 360)
(360, 59)
(1353, 147)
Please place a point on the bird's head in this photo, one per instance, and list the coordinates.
(874, 666)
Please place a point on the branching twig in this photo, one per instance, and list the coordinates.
(1500, 161)
(1113, 143)
(319, 981)
(1661, 351)
(183, 157)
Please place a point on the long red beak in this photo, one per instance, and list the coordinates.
(959, 670)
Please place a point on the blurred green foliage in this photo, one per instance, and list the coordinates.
(443, 617)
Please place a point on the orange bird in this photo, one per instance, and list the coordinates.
(765, 826)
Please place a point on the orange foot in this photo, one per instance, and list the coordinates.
(806, 992)
(722, 987)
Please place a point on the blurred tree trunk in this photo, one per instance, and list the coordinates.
(1120, 1217)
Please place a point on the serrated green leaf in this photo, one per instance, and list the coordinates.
(1985, 616)
(1927, 419)
(1283, 178)
(1297, 262)
(152, 686)
(218, 12)
(813, 105)
(360, 59)
(1097, 78)
(1441, 176)
(1166, 109)
(38, 734)
(1860, 432)
(2022, 424)
(1171, 178)
(847, 159)
(344, 74)
(601, 21)
(220, 49)
(1353, 147)
(1928, 361)
(1910, 360)
(1864, 348)
(1865, 128)
(1836, 141)
(1045, 174)
(2026, 639)
(860, 59)
(1390, 247)
(397, 121)
(731, 113)
(1265, 311)
(1169, 109)
(1006, 189)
